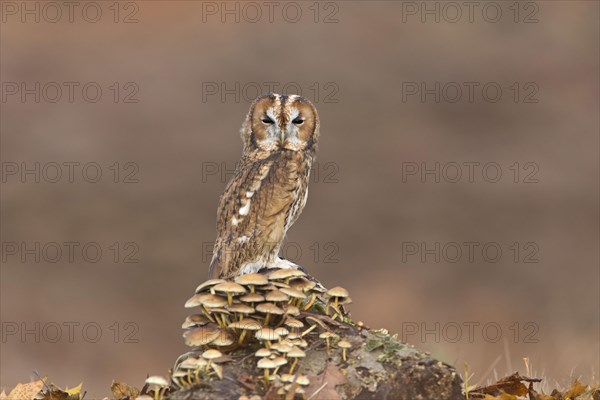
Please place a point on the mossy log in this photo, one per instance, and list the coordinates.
(377, 366)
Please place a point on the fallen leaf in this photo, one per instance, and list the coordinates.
(322, 387)
(26, 391)
(121, 390)
(76, 391)
(576, 389)
(511, 385)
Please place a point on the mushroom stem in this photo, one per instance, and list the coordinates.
(205, 312)
(242, 336)
(309, 329)
(267, 319)
(344, 354)
(229, 298)
(267, 377)
(327, 341)
(293, 366)
(310, 302)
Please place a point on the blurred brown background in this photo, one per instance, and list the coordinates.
(171, 124)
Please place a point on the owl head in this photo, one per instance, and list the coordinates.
(280, 122)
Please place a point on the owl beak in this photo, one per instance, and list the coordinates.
(282, 136)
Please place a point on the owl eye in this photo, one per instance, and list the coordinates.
(298, 121)
(268, 120)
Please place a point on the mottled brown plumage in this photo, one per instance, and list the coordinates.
(269, 188)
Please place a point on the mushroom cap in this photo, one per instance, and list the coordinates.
(211, 354)
(303, 380)
(219, 310)
(251, 279)
(285, 273)
(276, 284)
(295, 293)
(266, 363)
(201, 335)
(344, 344)
(287, 378)
(248, 324)
(291, 310)
(192, 363)
(269, 308)
(224, 339)
(281, 331)
(302, 284)
(264, 352)
(294, 335)
(230, 287)
(328, 334)
(144, 397)
(240, 308)
(266, 334)
(279, 361)
(252, 298)
(194, 320)
(282, 347)
(296, 353)
(157, 380)
(293, 322)
(276, 295)
(207, 300)
(208, 283)
(338, 291)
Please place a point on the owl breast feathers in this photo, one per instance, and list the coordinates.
(269, 188)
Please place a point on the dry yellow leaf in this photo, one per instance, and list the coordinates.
(26, 391)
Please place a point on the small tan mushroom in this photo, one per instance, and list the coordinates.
(281, 331)
(279, 361)
(285, 274)
(159, 383)
(252, 280)
(336, 293)
(295, 293)
(276, 296)
(246, 324)
(230, 288)
(291, 310)
(327, 335)
(344, 345)
(201, 335)
(211, 355)
(293, 323)
(295, 353)
(268, 309)
(209, 283)
(267, 335)
(195, 320)
(241, 309)
(264, 352)
(303, 380)
(302, 284)
(266, 364)
(252, 298)
(224, 339)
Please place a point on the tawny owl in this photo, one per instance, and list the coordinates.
(269, 188)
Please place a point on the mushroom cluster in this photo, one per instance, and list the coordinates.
(277, 312)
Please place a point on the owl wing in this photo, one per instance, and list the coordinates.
(259, 204)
